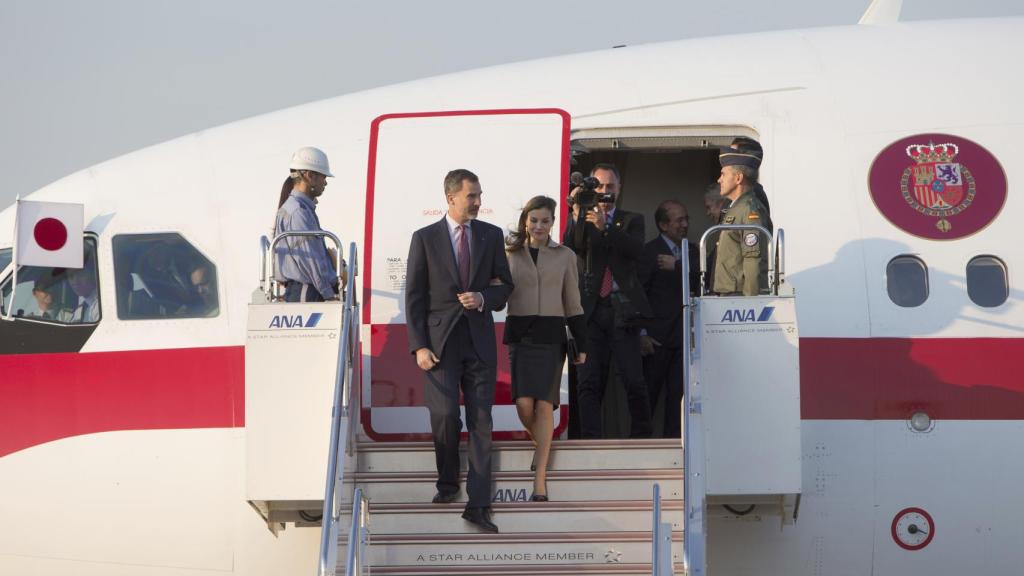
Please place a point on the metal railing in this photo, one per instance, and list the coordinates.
(693, 440)
(780, 260)
(661, 539)
(772, 283)
(270, 246)
(358, 535)
(344, 421)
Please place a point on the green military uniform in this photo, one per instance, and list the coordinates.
(741, 260)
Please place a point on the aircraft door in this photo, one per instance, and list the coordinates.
(517, 154)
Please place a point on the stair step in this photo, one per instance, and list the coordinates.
(517, 456)
(571, 486)
(528, 570)
(529, 553)
(524, 517)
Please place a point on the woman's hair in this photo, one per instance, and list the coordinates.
(286, 188)
(519, 237)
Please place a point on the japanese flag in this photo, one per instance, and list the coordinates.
(49, 234)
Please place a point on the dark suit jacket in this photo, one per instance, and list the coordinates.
(432, 285)
(664, 291)
(620, 247)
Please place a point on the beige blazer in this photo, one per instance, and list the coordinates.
(549, 288)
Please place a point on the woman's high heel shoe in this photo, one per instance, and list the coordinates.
(540, 497)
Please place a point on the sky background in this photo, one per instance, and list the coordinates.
(83, 81)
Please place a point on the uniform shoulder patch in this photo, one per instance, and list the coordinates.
(750, 239)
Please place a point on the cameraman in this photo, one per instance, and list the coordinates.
(610, 246)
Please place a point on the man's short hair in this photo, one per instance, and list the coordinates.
(661, 213)
(749, 174)
(606, 166)
(454, 179)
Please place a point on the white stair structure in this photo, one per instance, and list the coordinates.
(617, 506)
(598, 522)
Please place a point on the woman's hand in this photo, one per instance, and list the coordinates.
(580, 358)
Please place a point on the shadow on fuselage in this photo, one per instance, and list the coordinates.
(864, 357)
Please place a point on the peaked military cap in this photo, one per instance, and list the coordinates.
(731, 157)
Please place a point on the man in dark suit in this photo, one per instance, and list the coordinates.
(661, 341)
(457, 275)
(610, 245)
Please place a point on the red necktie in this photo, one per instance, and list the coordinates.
(463, 253)
(606, 280)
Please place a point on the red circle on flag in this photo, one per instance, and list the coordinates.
(50, 234)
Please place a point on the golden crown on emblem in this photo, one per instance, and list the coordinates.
(928, 153)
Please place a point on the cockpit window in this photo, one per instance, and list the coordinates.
(906, 279)
(5, 258)
(163, 276)
(986, 281)
(58, 295)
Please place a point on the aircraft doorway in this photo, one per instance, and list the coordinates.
(655, 164)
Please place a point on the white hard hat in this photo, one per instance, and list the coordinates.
(310, 158)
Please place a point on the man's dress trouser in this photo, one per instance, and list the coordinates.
(606, 341)
(460, 368)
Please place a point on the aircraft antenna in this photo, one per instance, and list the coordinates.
(882, 12)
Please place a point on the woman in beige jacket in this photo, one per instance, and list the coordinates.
(545, 300)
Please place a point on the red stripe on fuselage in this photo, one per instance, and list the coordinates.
(44, 397)
(891, 378)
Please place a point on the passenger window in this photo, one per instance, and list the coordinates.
(58, 295)
(5, 258)
(906, 279)
(986, 281)
(163, 276)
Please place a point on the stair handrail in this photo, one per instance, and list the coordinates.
(717, 227)
(358, 535)
(692, 441)
(780, 259)
(342, 418)
(339, 264)
(661, 539)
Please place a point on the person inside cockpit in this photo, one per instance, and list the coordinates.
(49, 305)
(83, 284)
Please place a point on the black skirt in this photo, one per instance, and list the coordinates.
(537, 370)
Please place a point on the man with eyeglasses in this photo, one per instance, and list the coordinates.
(614, 305)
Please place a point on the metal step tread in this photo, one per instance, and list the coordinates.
(528, 507)
(523, 517)
(530, 553)
(625, 474)
(610, 569)
(514, 537)
(505, 445)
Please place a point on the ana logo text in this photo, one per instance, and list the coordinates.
(509, 495)
(748, 315)
(295, 321)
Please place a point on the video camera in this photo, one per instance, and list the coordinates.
(587, 197)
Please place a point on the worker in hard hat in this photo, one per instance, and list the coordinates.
(303, 264)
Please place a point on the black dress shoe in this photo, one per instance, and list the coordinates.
(481, 518)
(440, 498)
(538, 497)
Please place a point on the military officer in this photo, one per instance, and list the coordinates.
(741, 261)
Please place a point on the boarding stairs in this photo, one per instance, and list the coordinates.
(617, 505)
(599, 519)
